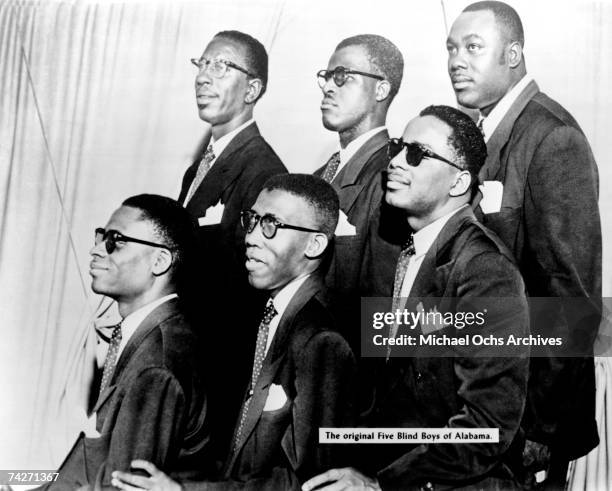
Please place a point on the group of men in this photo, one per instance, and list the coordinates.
(454, 209)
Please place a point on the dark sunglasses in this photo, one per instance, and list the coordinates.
(111, 237)
(415, 152)
(339, 75)
(269, 225)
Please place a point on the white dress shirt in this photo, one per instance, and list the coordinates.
(423, 239)
(281, 301)
(351, 149)
(491, 122)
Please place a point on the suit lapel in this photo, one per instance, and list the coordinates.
(346, 182)
(275, 356)
(223, 172)
(434, 265)
(501, 135)
(151, 321)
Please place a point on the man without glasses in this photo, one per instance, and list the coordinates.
(451, 259)
(151, 401)
(540, 197)
(232, 76)
(302, 376)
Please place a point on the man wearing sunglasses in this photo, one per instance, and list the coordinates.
(232, 75)
(362, 77)
(151, 401)
(540, 195)
(451, 258)
(302, 375)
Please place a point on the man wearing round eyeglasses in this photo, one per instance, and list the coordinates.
(232, 75)
(151, 400)
(451, 259)
(303, 371)
(362, 77)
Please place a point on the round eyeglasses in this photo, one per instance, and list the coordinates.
(111, 237)
(340, 74)
(415, 153)
(268, 223)
(217, 68)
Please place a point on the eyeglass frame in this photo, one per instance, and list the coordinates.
(325, 75)
(227, 63)
(425, 152)
(258, 219)
(119, 237)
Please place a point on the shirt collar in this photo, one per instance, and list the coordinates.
(219, 145)
(284, 296)
(491, 122)
(424, 238)
(351, 149)
(133, 320)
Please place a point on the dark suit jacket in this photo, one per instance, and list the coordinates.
(364, 264)
(468, 390)
(235, 179)
(154, 407)
(315, 368)
(549, 219)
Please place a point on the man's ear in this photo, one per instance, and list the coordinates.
(316, 245)
(163, 262)
(383, 89)
(462, 183)
(253, 90)
(515, 54)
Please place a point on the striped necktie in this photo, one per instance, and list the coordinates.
(400, 273)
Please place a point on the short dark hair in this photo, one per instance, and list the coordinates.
(319, 195)
(505, 16)
(384, 56)
(173, 227)
(466, 139)
(256, 57)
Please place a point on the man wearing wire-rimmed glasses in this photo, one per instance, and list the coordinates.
(231, 76)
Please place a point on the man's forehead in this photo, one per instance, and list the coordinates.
(280, 203)
(427, 130)
(476, 23)
(127, 218)
(353, 56)
(224, 48)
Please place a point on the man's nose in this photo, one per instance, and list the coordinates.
(99, 249)
(203, 76)
(456, 60)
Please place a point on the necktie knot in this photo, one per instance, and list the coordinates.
(269, 313)
(480, 125)
(408, 247)
(331, 167)
(201, 172)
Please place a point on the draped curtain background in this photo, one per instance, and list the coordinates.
(97, 104)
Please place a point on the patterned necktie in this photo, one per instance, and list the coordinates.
(400, 273)
(111, 357)
(203, 169)
(260, 353)
(331, 167)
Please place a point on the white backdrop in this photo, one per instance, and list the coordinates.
(97, 104)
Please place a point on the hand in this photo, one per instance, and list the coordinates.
(347, 479)
(157, 482)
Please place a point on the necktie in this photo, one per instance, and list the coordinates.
(400, 273)
(260, 354)
(111, 357)
(331, 167)
(203, 169)
(480, 125)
